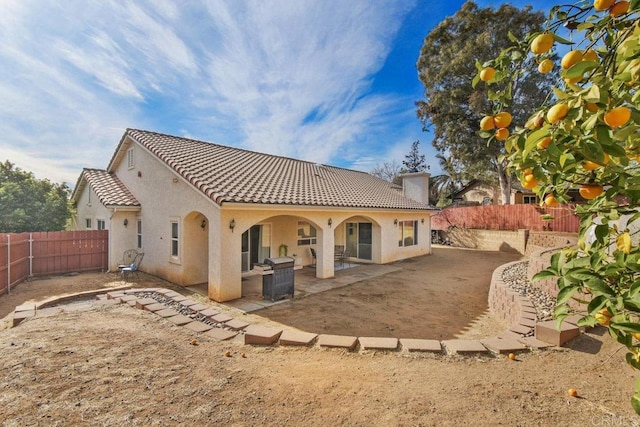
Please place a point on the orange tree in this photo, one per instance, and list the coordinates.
(586, 137)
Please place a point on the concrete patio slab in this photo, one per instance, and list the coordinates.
(337, 341)
(259, 335)
(532, 342)
(297, 338)
(180, 319)
(502, 346)
(464, 347)
(25, 307)
(155, 307)
(167, 312)
(19, 316)
(221, 318)
(199, 307)
(236, 324)
(142, 302)
(196, 326)
(220, 334)
(413, 344)
(209, 312)
(378, 343)
(520, 329)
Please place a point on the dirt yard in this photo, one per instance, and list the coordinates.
(433, 297)
(122, 366)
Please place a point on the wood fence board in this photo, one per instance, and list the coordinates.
(507, 217)
(53, 252)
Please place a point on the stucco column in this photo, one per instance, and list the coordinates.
(225, 275)
(324, 253)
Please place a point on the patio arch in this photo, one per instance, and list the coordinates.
(195, 259)
(361, 235)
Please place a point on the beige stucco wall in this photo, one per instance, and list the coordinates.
(213, 254)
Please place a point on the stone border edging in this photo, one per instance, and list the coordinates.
(206, 320)
(515, 310)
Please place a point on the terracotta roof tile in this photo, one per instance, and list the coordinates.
(110, 190)
(227, 174)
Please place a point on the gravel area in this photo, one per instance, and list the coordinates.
(515, 277)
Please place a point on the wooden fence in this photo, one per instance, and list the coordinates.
(55, 252)
(508, 217)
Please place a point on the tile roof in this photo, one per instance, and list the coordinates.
(110, 190)
(227, 174)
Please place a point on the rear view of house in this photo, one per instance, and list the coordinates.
(206, 213)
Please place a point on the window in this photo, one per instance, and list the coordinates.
(174, 239)
(130, 162)
(100, 223)
(407, 233)
(88, 223)
(306, 234)
(139, 232)
(528, 200)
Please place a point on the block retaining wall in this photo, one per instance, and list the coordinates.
(505, 303)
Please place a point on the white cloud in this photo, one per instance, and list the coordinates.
(286, 77)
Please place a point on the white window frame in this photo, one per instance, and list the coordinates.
(101, 224)
(87, 223)
(130, 159)
(174, 240)
(139, 233)
(304, 240)
(403, 232)
(529, 199)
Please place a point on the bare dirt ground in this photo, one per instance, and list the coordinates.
(122, 366)
(434, 297)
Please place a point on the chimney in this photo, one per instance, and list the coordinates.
(416, 186)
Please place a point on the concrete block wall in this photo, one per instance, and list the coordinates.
(540, 240)
(504, 303)
(488, 240)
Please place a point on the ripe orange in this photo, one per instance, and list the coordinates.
(571, 58)
(603, 317)
(551, 201)
(487, 74)
(591, 106)
(512, 356)
(617, 117)
(619, 8)
(542, 43)
(544, 143)
(573, 80)
(601, 5)
(573, 392)
(502, 134)
(589, 165)
(557, 113)
(487, 123)
(590, 191)
(545, 66)
(529, 182)
(502, 120)
(636, 335)
(590, 55)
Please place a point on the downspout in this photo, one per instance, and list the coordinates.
(109, 241)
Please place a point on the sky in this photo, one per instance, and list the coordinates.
(329, 81)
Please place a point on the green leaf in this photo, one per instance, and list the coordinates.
(566, 293)
(596, 304)
(633, 362)
(544, 274)
(561, 40)
(475, 81)
(627, 327)
(579, 69)
(635, 400)
(593, 94)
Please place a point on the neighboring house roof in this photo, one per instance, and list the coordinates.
(233, 175)
(110, 190)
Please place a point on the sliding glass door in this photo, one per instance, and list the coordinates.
(359, 239)
(256, 245)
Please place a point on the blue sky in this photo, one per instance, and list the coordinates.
(329, 81)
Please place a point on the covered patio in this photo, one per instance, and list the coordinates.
(306, 283)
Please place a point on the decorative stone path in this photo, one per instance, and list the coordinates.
(204, 319)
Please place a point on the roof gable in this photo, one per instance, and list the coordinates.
(233, 175)
(110, 190)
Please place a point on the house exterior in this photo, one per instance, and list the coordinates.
(480, 193)
(206, 213)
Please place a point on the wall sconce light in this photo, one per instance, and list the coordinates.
(330, 222)
(395, 221)
(175, 180)
(422, 220)
(203, 224)
(232, 225)
(126, 222)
